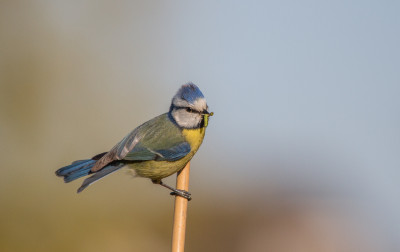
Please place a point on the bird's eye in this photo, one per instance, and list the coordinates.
(189, 110)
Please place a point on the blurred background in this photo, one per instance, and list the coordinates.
(301, 155)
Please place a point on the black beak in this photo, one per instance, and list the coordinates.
(205, 112)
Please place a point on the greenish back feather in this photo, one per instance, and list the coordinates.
(160, 139)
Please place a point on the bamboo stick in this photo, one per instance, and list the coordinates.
(178, 234)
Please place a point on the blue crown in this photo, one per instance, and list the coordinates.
(189, 92)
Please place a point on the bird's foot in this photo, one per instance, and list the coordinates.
(182, 193)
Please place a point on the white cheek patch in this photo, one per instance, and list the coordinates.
(185, 119)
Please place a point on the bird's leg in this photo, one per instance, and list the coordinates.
(177, 192)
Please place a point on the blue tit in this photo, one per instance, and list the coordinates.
(156, 149)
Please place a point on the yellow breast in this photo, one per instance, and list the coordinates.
(194, 137)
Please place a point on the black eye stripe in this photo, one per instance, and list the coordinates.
(190, 110)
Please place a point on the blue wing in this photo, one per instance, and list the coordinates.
(159, 139)
(173, 153)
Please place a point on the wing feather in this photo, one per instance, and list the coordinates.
(157, 139)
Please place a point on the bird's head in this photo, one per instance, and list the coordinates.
(189, 107)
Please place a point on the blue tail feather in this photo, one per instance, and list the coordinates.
(76, 170)
(81, 168)
(100, 174)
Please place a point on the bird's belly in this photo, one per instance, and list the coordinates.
(157, 170)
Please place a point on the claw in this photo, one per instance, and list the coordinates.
(182, 193)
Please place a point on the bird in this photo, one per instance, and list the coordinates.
(156, 149)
